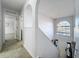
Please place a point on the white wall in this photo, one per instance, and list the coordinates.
(1, 26)
(45, 47)
(29, 38)
(28, 29)
(76, 36)
(20, 26)
(46, 24)
(76, 29)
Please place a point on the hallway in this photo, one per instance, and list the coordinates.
(14, 49)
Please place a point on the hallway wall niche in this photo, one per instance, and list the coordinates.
(28, 30)
(28, 18)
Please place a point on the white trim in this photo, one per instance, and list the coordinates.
(11, 12)
(29, 51)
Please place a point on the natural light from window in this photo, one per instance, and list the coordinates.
(63, 28)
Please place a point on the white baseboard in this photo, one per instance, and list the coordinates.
(28, 51)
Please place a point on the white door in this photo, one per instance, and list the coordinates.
(10, 27)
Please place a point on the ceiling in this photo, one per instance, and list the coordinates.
(77, 7)
(15, 5)
(51, 8)
(57, 8)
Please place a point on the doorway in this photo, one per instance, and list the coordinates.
(10, 27)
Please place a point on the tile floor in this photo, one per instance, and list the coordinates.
(14, 49)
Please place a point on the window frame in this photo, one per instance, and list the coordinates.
(63, 28)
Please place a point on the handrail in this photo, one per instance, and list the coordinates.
(45, 39)
(44, 35)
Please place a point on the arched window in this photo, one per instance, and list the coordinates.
(63, 28)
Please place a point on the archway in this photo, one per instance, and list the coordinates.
(28, 30)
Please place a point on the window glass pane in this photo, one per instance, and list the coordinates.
(63, 28)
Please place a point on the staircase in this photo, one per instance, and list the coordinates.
(46, 48)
